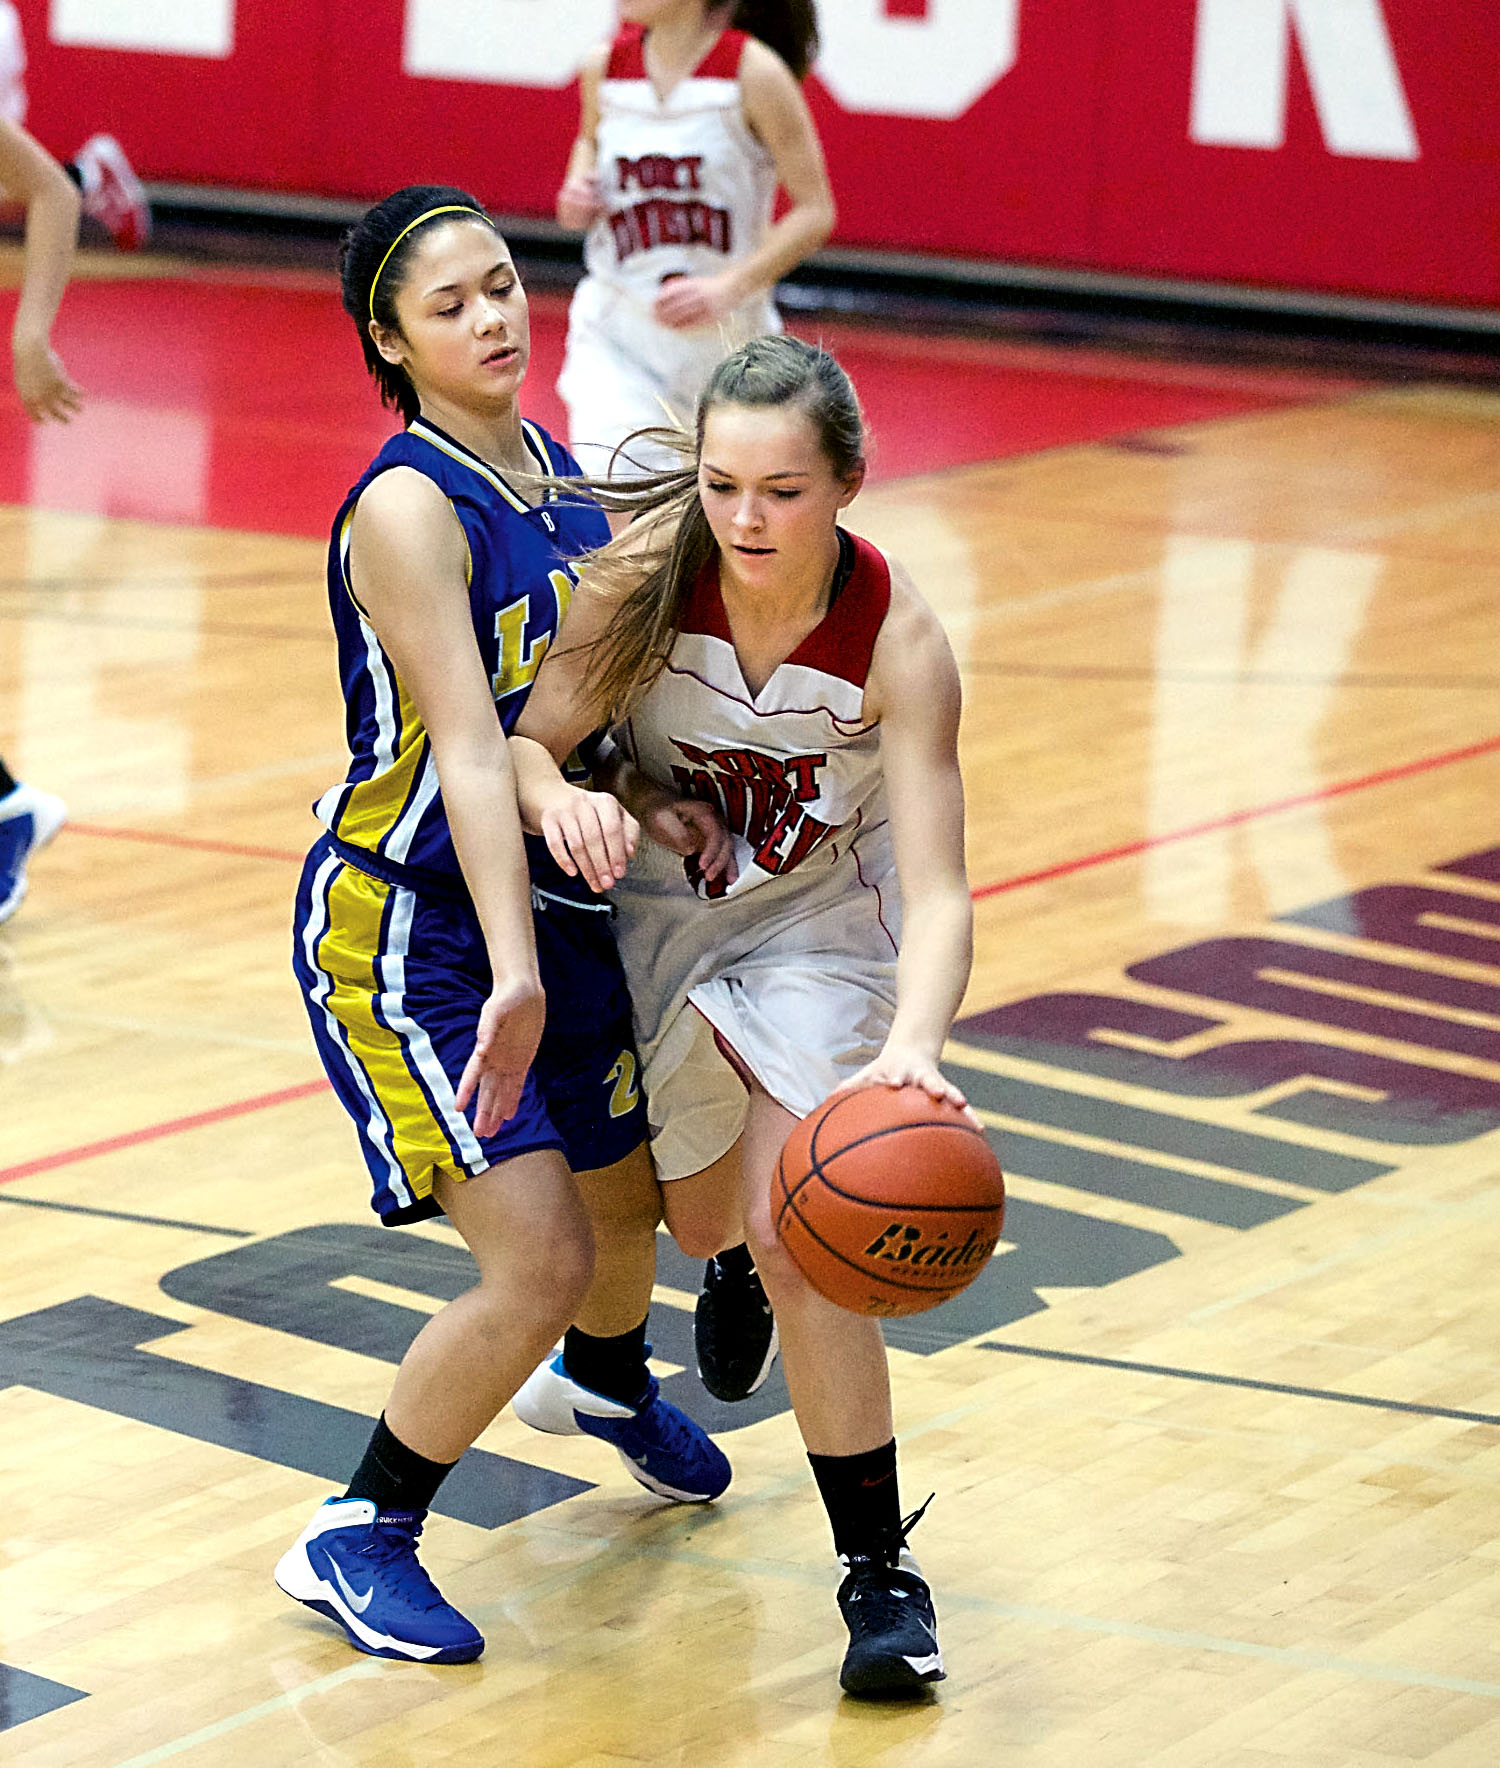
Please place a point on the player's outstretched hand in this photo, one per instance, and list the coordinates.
(580, 202)
(688, 826)
(510, 1028)
(42, 382)
(895, 1067)
(685, 302)
(590, 834)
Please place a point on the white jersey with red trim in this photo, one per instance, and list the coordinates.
(791, 970)
(686, 186)
(12, 65)
(793, 769)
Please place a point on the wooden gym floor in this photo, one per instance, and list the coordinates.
(1216, 1439)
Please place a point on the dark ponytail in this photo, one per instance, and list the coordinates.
(373, 256)
(790, 27)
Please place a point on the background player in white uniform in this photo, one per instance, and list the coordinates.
(111, 192)
(50, 194)
(689, 120)
(792, 707)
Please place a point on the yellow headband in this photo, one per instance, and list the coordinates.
(446, 209)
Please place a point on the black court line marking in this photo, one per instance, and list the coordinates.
(125, 1215)
(1374, 1401)
(24, 1696)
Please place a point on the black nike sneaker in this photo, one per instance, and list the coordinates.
(734, 1330)
(887, 1607)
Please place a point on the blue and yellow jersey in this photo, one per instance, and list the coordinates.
(520, 582)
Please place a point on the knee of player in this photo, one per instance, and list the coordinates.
(775, 1269)
(567, 1264)
(702, 1240)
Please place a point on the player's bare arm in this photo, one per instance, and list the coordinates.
(579, 201)
(408, 560)
(914, 694)
(30, 175)
(778, 116)
(593, 834)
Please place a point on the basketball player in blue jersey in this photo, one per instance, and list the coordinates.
(425, 976)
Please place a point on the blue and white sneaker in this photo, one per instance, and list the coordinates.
(661, 1447)
(362, 1571)
(28, 820)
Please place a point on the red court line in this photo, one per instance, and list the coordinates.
(1339, 790)
(221, 1113)
(154, 1132)
(1064, 868)
(161, 838)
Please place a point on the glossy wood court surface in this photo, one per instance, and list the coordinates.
(1216, 1439)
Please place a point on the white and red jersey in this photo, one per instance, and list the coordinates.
(686, 186)
(12, 65)
(792, 969)
(795, 769)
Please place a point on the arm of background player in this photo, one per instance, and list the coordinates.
(580, 201)
(30, 174)
(777, 113)
(408, 565)
(916, 698)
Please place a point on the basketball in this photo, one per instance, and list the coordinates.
(887, 1200)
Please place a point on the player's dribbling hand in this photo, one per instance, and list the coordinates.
(895, 1067)
(685, 302)
(580, 202)
(510, 1028)
(688, 826)
(590, 834)
(42, 381)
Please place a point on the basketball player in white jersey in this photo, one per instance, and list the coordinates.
(689, 121)
(110, 191)
(789, 707)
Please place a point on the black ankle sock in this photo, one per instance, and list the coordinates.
(863, 1501)
(394, 1477)
(614, 1367)
(736, 1260)
(8, 781)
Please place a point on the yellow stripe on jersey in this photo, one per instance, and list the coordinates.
(488, 474)
(374, 807)
(357, 913)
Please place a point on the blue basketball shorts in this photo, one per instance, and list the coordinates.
(394, 979)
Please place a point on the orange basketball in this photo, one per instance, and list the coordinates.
(887, 1200)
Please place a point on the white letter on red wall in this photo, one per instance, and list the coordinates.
(165, 27)
(933, 66)
(512, 42)
(1240, 76)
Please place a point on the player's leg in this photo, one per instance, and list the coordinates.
(599, 1383)
(112, 194)
(734, 1326)
(356, 1561)
(28, 820)
(697, 1111)
(394, 1026)
(836, 1373)
(612, 386)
